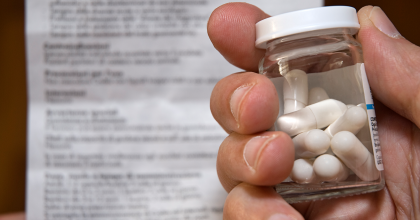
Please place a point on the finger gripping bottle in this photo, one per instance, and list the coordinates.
(317, 67)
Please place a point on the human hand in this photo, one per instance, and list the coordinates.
(14, 216)
(252, 160)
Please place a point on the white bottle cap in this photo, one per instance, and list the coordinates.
(306, 20)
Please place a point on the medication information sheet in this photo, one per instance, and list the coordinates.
(119, 122)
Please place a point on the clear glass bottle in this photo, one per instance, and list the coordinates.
(326, 106)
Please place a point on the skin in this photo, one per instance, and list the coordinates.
(393, 70)
(15, 216)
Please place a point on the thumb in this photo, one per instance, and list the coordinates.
(392, 63)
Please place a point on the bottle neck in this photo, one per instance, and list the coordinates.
(311, 38)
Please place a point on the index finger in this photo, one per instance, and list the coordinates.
(231, 29)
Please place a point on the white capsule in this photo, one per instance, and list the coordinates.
(318, 115)
(295, 91)
(352, 152)
(329, 168)
(302, 171)
(364, 134)
(352, 120)
(349, 106)
(317, 94)
(311, 143)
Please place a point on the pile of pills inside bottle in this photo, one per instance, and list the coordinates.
(328, 155)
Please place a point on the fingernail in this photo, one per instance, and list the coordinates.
(254, 148)
(237, 98)
(382, 22)
(279, 216)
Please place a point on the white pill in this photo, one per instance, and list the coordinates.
(364, 134)
(311, 143)
(295, 91)
(349, 106)
(352, 152)
(329, 168)
(352, 120)
(318, 115)
(317, 94)
(302, 171)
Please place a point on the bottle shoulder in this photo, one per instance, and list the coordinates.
(311, 54)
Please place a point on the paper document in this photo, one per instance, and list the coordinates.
(119, 121)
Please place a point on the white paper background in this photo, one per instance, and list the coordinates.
(115, 140)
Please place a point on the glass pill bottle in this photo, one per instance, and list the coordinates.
(326, 105)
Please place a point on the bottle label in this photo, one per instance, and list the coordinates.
(376, 147)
